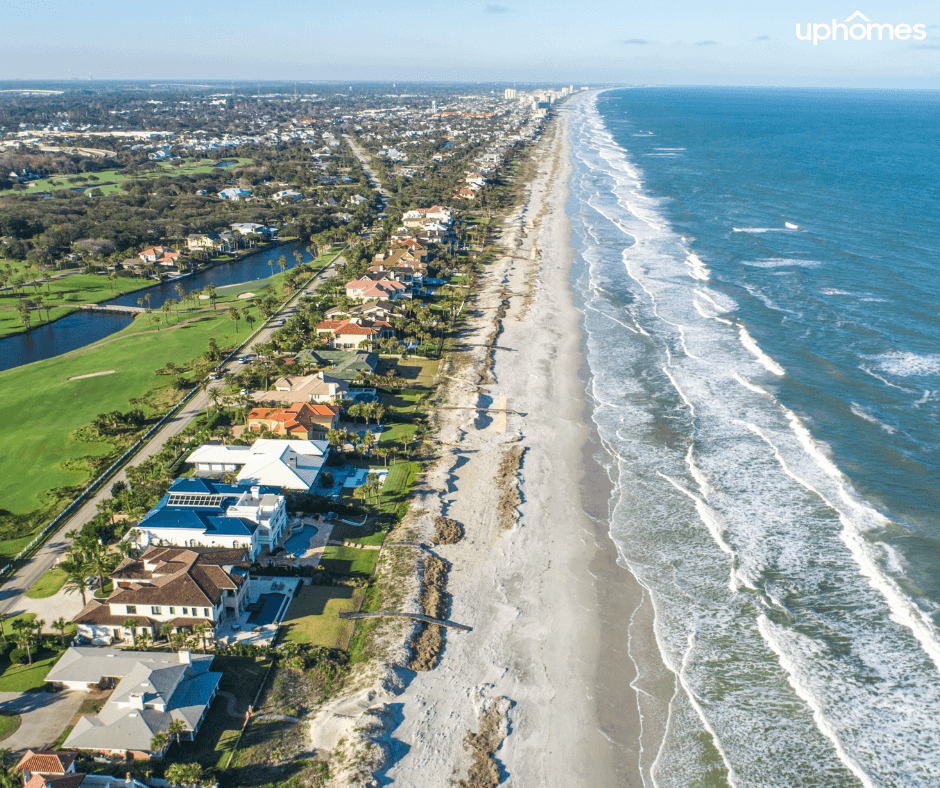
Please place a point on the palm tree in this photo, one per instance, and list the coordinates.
(176, 728)
(166, 630)
(131, 625)
(158, 742)
(60, 625)
(23, 632)
(77, 574)
(214, 397)
(201, 631)
(184, 773)
(235, 315)
(3, 629)
(101, 562)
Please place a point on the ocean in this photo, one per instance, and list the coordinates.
(759, 273)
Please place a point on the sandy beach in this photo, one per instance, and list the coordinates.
(546, 664)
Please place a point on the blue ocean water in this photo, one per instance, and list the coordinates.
(759, 273)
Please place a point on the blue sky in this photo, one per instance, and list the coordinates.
(598, 41)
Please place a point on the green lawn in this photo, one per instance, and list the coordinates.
(47, 585)
(348, 561)
(44, 434)
(399, 476)
(241, 676)
(111, 180)
(364, 534)
(394, 500)
(26, 678)
(396, 435)
(313, 616)
(9, 724)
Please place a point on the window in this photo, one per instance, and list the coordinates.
(155, 610)
(131, 609)
(172, 611)
(205, 612)
(185, 611)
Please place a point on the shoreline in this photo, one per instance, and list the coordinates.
(547, 664)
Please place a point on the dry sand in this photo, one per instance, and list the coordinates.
(547, 602)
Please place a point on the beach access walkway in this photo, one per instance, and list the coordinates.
(417, 616)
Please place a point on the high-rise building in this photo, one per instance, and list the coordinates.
(509, 93)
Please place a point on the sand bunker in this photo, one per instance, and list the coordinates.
(94, 374)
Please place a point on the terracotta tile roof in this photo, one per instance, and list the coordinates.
(299, 417)
(45, 761)
(174, 576)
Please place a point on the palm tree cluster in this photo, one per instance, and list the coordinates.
(87, 560)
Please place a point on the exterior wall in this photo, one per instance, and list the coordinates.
(185, 537)
(169, 612)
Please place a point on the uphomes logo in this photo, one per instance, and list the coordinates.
(862, 29)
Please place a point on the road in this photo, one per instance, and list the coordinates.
(23, 579)
(373, 178)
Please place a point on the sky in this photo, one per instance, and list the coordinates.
(738, 42)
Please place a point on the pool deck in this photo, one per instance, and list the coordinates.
(246, 632)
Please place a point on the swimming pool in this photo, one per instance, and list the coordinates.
(299, 542)
(270, 605)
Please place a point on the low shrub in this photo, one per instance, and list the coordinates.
(19, 656)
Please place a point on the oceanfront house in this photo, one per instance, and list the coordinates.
(160, 255)
(319, 387)
(49, 769)
(301, 421)
(379, 309)
(344, 364)
(151, 690)
(202, 513)
(287, 464)
(234, 194)
(370, 289)
(176, 587)
(355, 333)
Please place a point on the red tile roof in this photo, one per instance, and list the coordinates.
(45, 762)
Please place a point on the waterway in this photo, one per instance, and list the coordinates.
(84, 328)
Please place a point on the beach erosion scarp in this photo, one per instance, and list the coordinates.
(545, 675)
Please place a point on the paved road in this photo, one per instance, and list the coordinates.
(45, 715)
(23, 579)
(363, 159)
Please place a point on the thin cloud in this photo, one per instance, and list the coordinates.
(926, 46)
(631, 41)
(706, 43)
(492, 8)
(762, 38)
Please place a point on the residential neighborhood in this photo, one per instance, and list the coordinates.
(206, 574)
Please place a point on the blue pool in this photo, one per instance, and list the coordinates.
(270, 605)
(297, 544)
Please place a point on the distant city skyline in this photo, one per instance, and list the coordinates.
(732, 43)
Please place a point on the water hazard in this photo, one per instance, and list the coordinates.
(84, 328)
